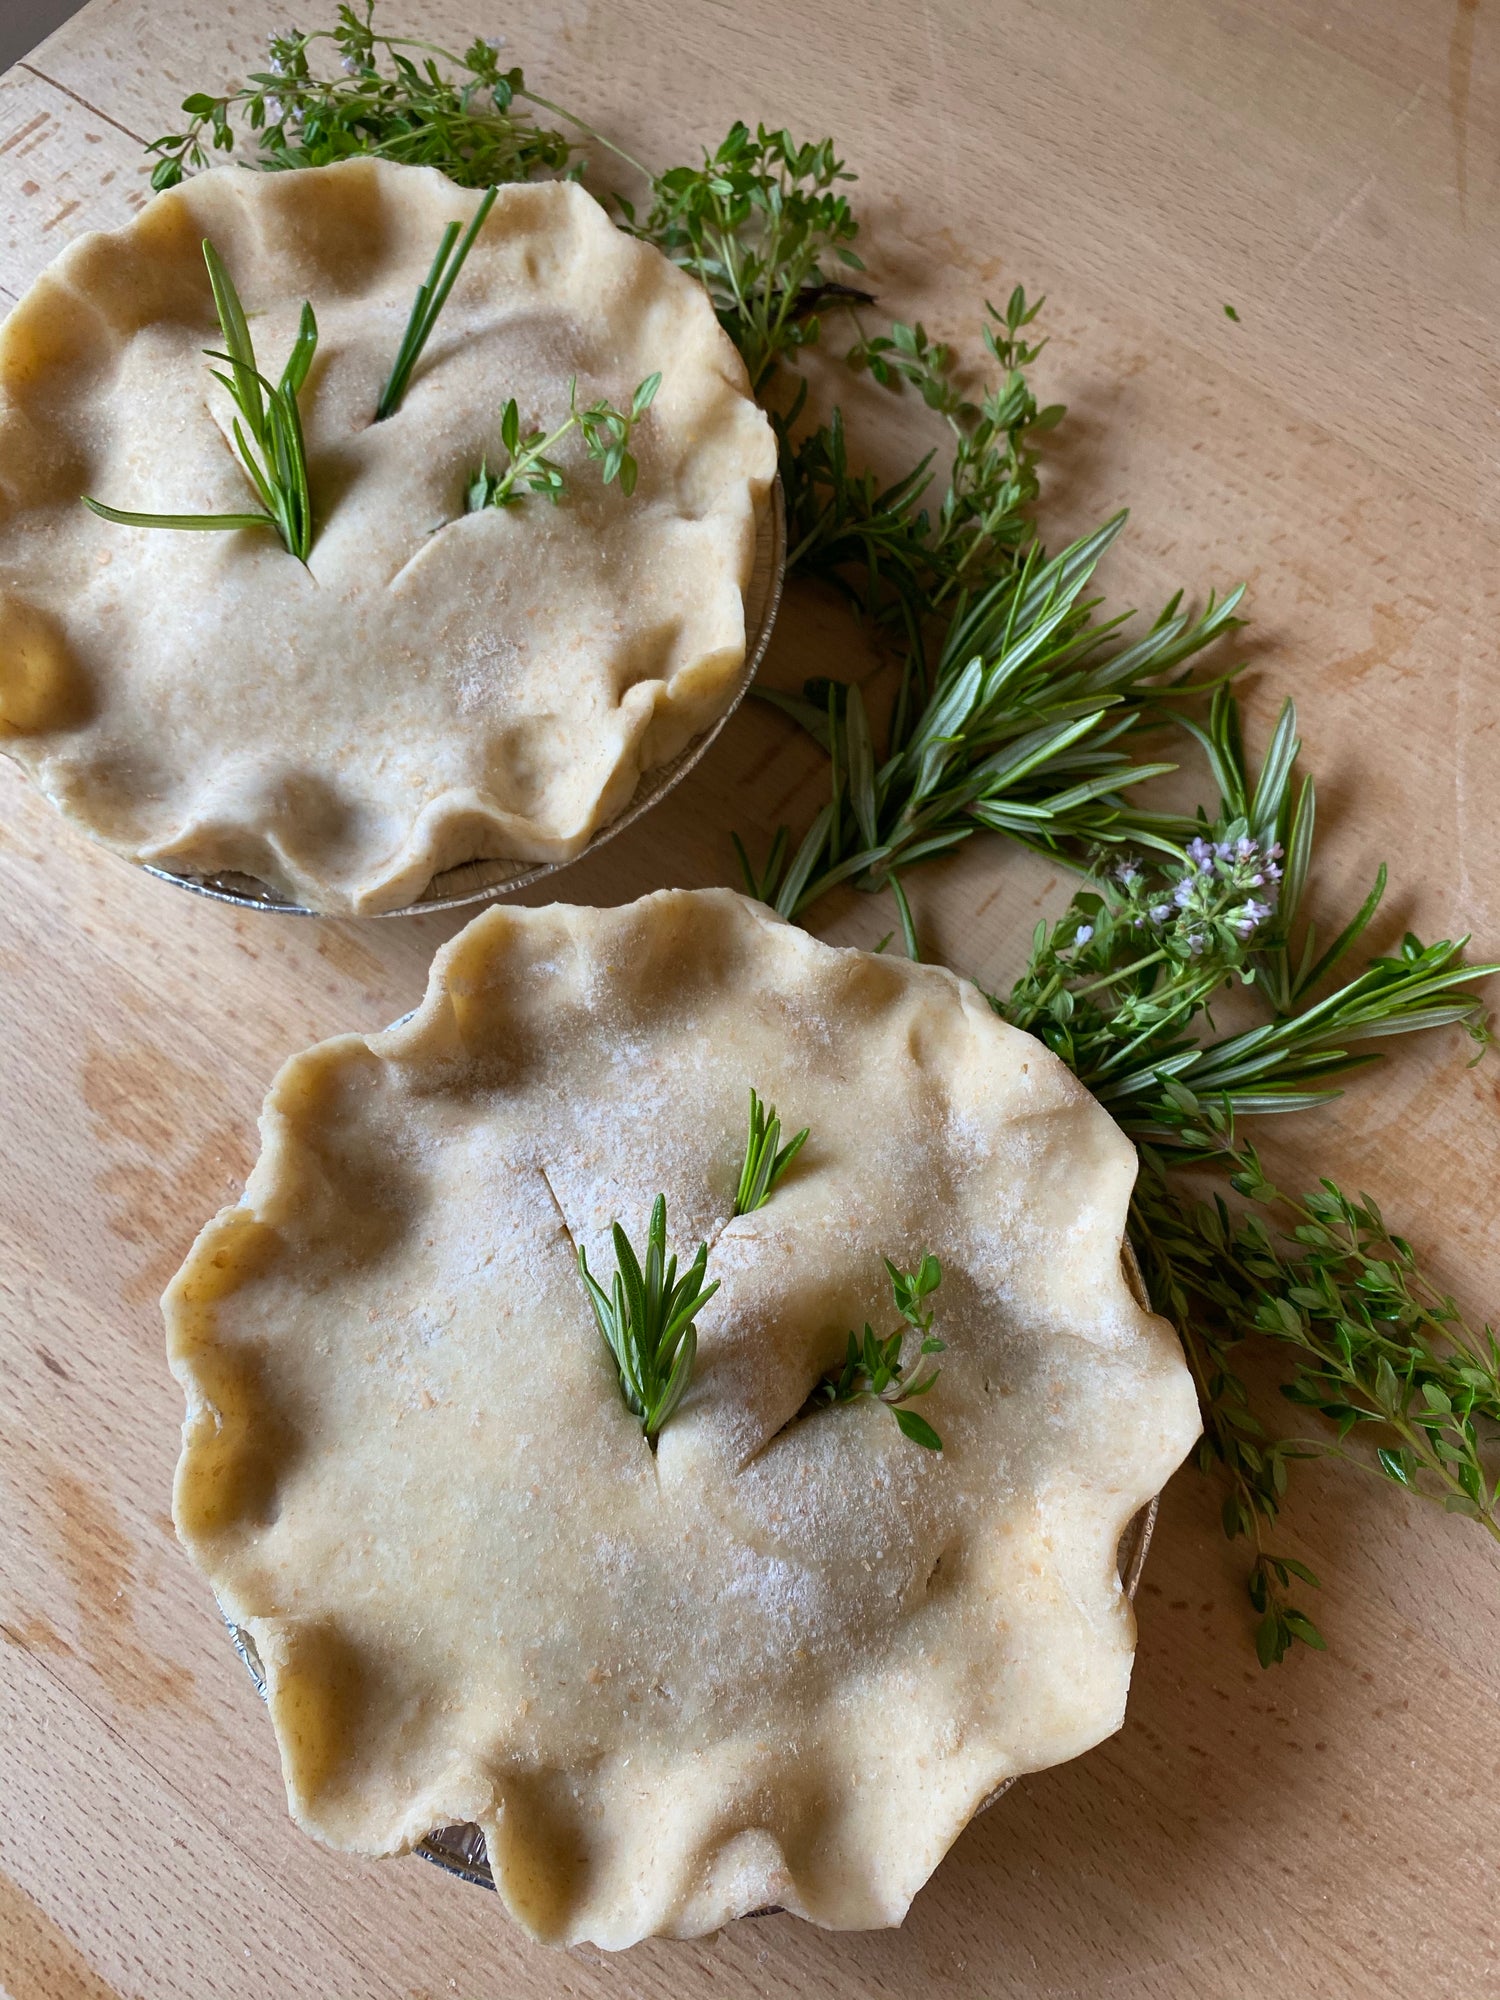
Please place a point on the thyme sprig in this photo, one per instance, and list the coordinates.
(1410, 1388)
(394, 96)
(432, 296)
(647, 1317)
(757, 224)
(267, 433)
(873, 1368)
(606, 434)
(900, 560)
(766, 1159)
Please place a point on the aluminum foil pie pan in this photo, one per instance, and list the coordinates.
(460, 1849)
(485, 881)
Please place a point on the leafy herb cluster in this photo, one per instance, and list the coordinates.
(606, 438)
(895, 555)
(1025, 728)
(754, 224)
(1020, 709)
(766, 1159)
(873, 1368)
(1121, 987)
(393, 96)
(647, 1317)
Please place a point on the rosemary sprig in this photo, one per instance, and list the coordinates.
(646, 1319)
(1022, 731)
(269, 439)
(755, 224)
(873, 1367)
(764, 1164)
(391, 98)
(432, 296)
(606, 438)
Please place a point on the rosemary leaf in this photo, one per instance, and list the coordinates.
(432, 296)
(208, 522)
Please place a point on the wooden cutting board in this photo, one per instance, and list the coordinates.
(1332, 171)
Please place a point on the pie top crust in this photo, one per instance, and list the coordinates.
(434, 687)
(785, 1658)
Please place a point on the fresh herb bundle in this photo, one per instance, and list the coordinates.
(873, 1369)
(1018, 710)
(1024, 729)
(267, 432)
(646, 1319)
(606, 438)
(1120, 987)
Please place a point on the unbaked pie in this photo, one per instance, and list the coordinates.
(783, 1658)
(434, 685)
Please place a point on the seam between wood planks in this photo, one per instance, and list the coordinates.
(42, 77)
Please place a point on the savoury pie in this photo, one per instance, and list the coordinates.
(434, 685)
(786, 1656)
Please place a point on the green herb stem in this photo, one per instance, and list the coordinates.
(606, 434)
(873, 1369)
(432, 296)
(458, 113)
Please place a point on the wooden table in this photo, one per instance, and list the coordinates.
(1331, 171)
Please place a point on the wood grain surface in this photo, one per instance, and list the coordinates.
(1331, 170)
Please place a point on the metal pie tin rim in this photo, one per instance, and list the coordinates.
(459, 1850)
(474, 882)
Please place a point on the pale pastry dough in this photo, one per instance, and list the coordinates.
(434, 687)
(784, 1660)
